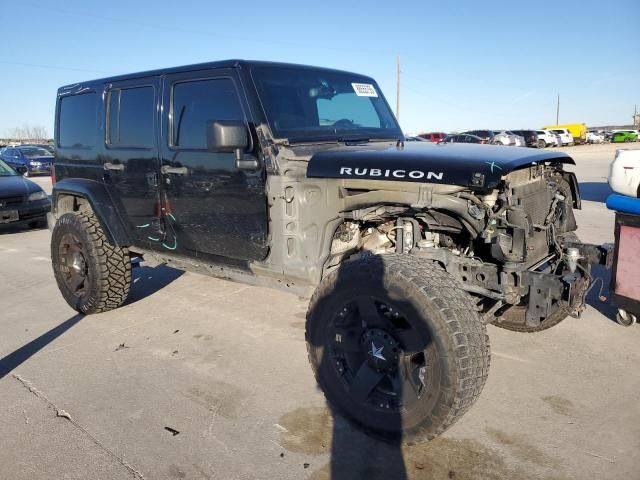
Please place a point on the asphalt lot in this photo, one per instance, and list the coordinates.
(200, 378)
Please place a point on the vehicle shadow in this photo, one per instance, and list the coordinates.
(22, 354)
(22, 228)
(602, 277)
(356, 455)
(148, 280)
(595, 191)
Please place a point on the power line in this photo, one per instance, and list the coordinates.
(191, 31)
(52, 67)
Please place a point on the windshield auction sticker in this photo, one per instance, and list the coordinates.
(364, 90)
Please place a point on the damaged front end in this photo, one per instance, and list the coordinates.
(513, 247)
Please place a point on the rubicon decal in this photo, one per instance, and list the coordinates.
(384, 173)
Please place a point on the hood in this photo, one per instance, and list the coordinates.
(469, 165)
(16, 186)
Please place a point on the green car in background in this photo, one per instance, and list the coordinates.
(623, 137)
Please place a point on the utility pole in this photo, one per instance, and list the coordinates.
(558, 111)
(398, 87)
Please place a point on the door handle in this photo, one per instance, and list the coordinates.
(166, 169)
(114, 166)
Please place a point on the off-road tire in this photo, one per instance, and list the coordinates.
(108, 267)
(443, 309)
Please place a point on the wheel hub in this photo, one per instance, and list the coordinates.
(77, 262)
(381, 349)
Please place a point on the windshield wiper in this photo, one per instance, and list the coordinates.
(354, 140)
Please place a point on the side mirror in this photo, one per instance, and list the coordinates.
(21, 169)
(226, 136)
(230, 136)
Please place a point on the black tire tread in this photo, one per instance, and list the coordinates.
(463, 326)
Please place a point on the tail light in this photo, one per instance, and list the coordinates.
(53, 174)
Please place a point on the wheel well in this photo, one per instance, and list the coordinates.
(66, 203)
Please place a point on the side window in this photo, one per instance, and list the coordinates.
(77, 121)
(361, 113)
(195, 103)
(130, 117)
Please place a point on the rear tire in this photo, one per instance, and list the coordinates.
(432, 355)
(92, 275)
(542, 144)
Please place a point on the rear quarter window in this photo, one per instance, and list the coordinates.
(130, 117)
(77, 121)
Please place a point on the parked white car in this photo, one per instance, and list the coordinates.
(550, 139)
(565, 136)
(595, 137)
(518, 140)
(624, 173)
(507, 138)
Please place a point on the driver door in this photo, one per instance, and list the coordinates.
(211, 206)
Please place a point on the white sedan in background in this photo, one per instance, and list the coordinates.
(550, 139)
(565, 136)
(624, 173)
(595, 137)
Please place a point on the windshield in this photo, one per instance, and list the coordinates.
(6, 170)
(312, 104)
(31, 152)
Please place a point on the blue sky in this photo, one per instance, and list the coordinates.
(466, 64)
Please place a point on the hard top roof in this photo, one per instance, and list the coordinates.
(232, 63)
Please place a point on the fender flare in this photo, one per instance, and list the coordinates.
(98, 197)
(571, 179)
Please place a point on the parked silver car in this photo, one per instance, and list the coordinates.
(505, 137)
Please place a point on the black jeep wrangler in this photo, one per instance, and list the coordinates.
(299, 178)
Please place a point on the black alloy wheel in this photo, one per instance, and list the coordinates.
(384, 360)
(72, 258)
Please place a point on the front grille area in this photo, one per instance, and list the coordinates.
(11, 202)
(535, 198)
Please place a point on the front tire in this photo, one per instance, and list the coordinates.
(542, 144)
(396, 346)
(92, 275)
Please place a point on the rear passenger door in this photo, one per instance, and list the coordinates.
(131, 162)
